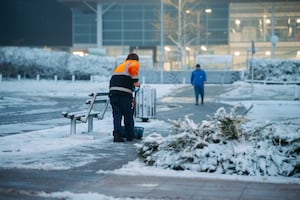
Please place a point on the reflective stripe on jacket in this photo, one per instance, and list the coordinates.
(124, 76)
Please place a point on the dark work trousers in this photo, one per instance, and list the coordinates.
(122, 107)
(199, 90)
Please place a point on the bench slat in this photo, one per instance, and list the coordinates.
(99, 94)
(97, 101)
(72, 114)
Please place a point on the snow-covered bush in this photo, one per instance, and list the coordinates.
(228, 143)
(32, 61)
(275, 69)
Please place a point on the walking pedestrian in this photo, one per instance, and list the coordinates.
(121, 87)
(198, 79)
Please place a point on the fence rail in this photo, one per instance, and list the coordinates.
(274, 82)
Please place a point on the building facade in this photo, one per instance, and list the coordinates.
(189, 29)
(273, 26)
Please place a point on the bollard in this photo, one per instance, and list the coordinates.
(19, 77)
(55, 78)
(73, 78)
(183, 80)
(38, 77)
(222, 74)
(296, 94)
(0, 78)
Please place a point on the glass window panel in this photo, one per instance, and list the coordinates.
(82, 29)
(132, 15)
(112, 25)
(150, 14)
(113, 15)
(81, 38)
(109, 35)
(132, 7)
(112, 42)
(152, 34)
(133, 35)
(133, 24)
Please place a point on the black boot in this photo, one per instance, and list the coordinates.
(129, 138)
(118, 137)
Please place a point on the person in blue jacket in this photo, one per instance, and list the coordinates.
(198, 79)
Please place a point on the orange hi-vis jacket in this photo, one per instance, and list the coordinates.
(124, 76)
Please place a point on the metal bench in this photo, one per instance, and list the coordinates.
(89, 114)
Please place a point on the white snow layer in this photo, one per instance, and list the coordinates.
(273, 153)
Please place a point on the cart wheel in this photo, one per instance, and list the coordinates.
(145, 119)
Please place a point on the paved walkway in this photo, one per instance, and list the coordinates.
(24, 184)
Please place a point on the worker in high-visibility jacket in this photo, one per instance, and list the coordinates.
(121, 87)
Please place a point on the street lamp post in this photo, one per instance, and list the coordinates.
(207, 11)
(185, 37)
(161, 40)
(179, 35)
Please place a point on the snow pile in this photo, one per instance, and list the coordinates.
(276, 70)
(82, 196)
(32, 61)
(226, 144)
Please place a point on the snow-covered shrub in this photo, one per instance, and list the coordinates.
(32, 61)
(228, 143)
(226, 126)
(275, 69)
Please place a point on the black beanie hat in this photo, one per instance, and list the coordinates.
(133, 56)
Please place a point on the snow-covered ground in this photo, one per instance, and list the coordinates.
(48, 149)
(55, 149)
(45, 149)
